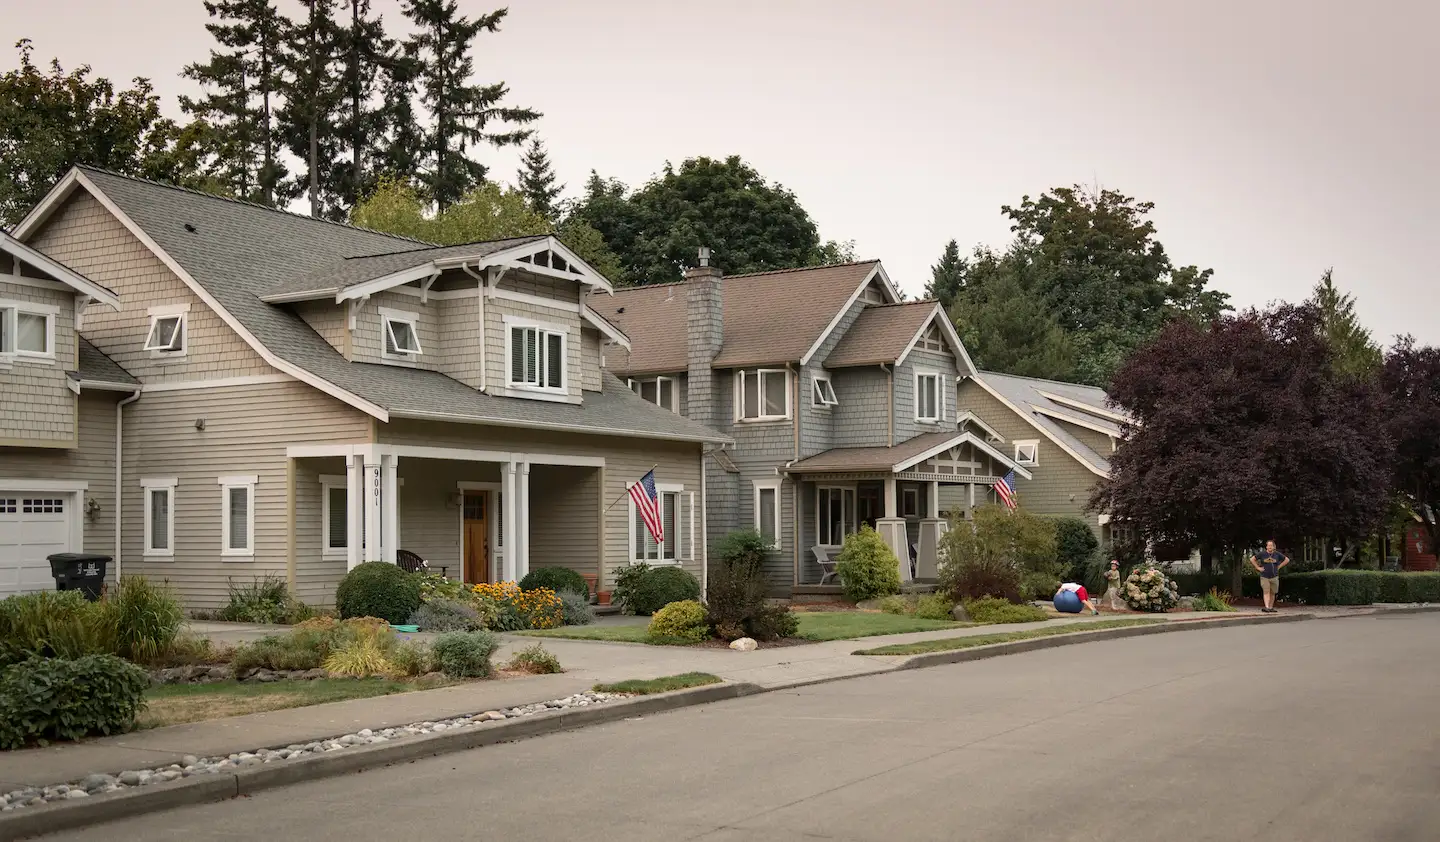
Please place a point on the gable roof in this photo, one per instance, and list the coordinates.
(887, 333)
(899, 457)
(769, 317)
(55, 269)
(94, 367)
(239, 252)
(1029, 398)
(347, 272)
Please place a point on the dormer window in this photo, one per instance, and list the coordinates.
(657, 390)
(27, 330)
(824, 393)
(537, 356)
(167, 330)
(402, 338)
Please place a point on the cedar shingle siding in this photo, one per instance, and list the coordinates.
(38, 409)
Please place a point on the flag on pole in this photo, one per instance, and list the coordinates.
(647, 503)
(1005, 490)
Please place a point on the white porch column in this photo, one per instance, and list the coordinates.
(390, 501)
(512, 539)
(374, 493)
(354, 511)
(932, 507)
(927, 558)
(892, 530)
(522, 513)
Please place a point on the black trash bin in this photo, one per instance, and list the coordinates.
(84, 572)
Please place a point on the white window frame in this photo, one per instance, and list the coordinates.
(389, 317)
(822, 392)
(149, 485)
(10, 312)
(542, 331)
(849, 518)
(247, 482)
(182, 331)
(328, 483)
(760, 374)
(661, 490)
(1034, 445)
(920, 376)
(772, 485)
(637, 385)
(907, 494)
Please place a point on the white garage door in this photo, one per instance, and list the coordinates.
(33, 525)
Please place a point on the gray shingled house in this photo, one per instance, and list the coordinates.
(291, 396)
(842, 402)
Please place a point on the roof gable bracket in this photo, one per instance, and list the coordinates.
(353, 307)
(493, 274)
(425, 286)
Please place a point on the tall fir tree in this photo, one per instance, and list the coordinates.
(461, 112)
(242, 85)
(366, 55)
(401, 148)
(1355, 354)
(947, 277)
(1005, 324)
(536, 180)
(314, 91)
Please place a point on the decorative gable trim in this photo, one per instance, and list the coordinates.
(958, 440)
(878, 273)
(1117, 417)
(1030, 419)
(537, 256)
(64, 274)
(968, 417)
(947, 330)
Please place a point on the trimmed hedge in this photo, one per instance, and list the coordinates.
(378, 589)
(642, 589)
(557, 579)
(1355, 587)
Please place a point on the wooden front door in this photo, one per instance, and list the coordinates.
(476, 551)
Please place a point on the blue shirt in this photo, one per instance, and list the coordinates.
(1269, 562)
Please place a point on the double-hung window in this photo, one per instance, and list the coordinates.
(762, 394)
(767, 511)
(677, 518)
(824, 392)
(834, 515)
(159, 516)
(27, 330)
(929, 397)
(657, 390)
(237, 515)
(537, 357)
(401, 335)
(166, 336)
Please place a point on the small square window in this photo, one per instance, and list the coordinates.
(824, 393)
(401, 338)
(167, 333)
(1026, 452)
(32, 333)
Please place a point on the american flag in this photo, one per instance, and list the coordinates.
(647, 502)
(1005, 490)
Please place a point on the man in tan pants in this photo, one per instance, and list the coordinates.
(1269, 564)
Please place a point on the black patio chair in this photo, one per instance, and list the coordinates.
(412, 563)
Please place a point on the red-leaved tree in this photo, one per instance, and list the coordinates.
(1411, 379)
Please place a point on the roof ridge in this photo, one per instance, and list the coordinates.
(434, 247)
(633, 287)
(257, 205)
(1041, 380)
(803, 269)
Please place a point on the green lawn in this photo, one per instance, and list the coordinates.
(814, 625)
(949, 644)
(645, 687)
(173, 704)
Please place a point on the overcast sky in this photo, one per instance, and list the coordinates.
(1275, 138)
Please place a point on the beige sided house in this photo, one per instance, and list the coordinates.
(291, 396)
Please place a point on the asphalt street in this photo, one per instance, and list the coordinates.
(1320, 730)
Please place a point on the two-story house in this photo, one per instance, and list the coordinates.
(290, 396)
(841, 400)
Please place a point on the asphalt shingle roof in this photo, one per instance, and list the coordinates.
(872, 458)
(769, 317)
(356, 270)
(95, 366)
(880, 334)
(1026, 393)
(239, 252)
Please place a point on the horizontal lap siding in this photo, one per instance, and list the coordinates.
(247, 430)
(591, 359)
(565, 518)
(85, 237)
(39, 408)
(429, 518)
(760, 449)
(315, 575)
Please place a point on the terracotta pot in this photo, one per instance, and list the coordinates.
(603, 597)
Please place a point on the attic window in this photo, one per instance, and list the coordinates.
(1027, 452)
(824, 393)
(402, 338)
(168, 330)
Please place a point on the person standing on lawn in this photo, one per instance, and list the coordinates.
(1269, 564)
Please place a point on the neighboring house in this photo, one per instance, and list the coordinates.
(839, 397)
(1417, 553)
(300, 396)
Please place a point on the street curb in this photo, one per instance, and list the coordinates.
(205, 789)
(994, 650)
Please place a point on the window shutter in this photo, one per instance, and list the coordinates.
(554, 360)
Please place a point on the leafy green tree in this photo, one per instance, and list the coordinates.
(590, 245)
(1005, 324)
(313, 86)
(536, 179)
(462, 112)
(1190, 300)
(51, 120)
(989, 555)
(1355, 354)
(947, 277)
(242, 84)
(832, 252)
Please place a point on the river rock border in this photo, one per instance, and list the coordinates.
(191, 765)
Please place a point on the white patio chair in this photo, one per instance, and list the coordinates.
(826, 561)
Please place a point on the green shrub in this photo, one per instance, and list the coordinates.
(465, 654)
(52, 624)
(1356, 587)
(934, 606)
(535, 660)
(1035, 586)
(265, 600)
(436, 586)
(988, 555)
(684, 620)
(642, 589)
(1213, 600)
(557, 579)
(378, 589)
(294, 651)
(867, 567)
(897, 604)
(410, 658)
(147, 618)
(773, 622)
(577, 608)
(446, 615)
(735, 595)
(743, 548)
(1075, 545)
(44, 699)
(992, 609)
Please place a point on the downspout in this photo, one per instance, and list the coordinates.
(704, 530)
(119, 475)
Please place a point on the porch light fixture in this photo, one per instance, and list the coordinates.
(457, 500)
(200, 424)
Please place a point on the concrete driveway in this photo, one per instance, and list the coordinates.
(1320, 730)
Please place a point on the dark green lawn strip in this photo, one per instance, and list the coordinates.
(949, 644)
(647, 686)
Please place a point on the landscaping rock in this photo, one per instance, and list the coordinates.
(189, 760)
(218, 673)
(744, 644)
(77, 793)
(130, 778)
(93, 782)
(311, 675)
(959, 614)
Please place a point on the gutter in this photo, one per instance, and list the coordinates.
(565, 428)
(119, 475)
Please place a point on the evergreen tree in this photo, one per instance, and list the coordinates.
(366, 55)
(242, 84)
(1354, 353)
(314, 90)
(462, 113)
(537, 179)
(1006, 326)
(401, 148)
(947, 277)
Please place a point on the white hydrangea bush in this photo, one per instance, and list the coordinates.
(1147, 588)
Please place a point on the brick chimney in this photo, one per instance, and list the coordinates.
(705, 329)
